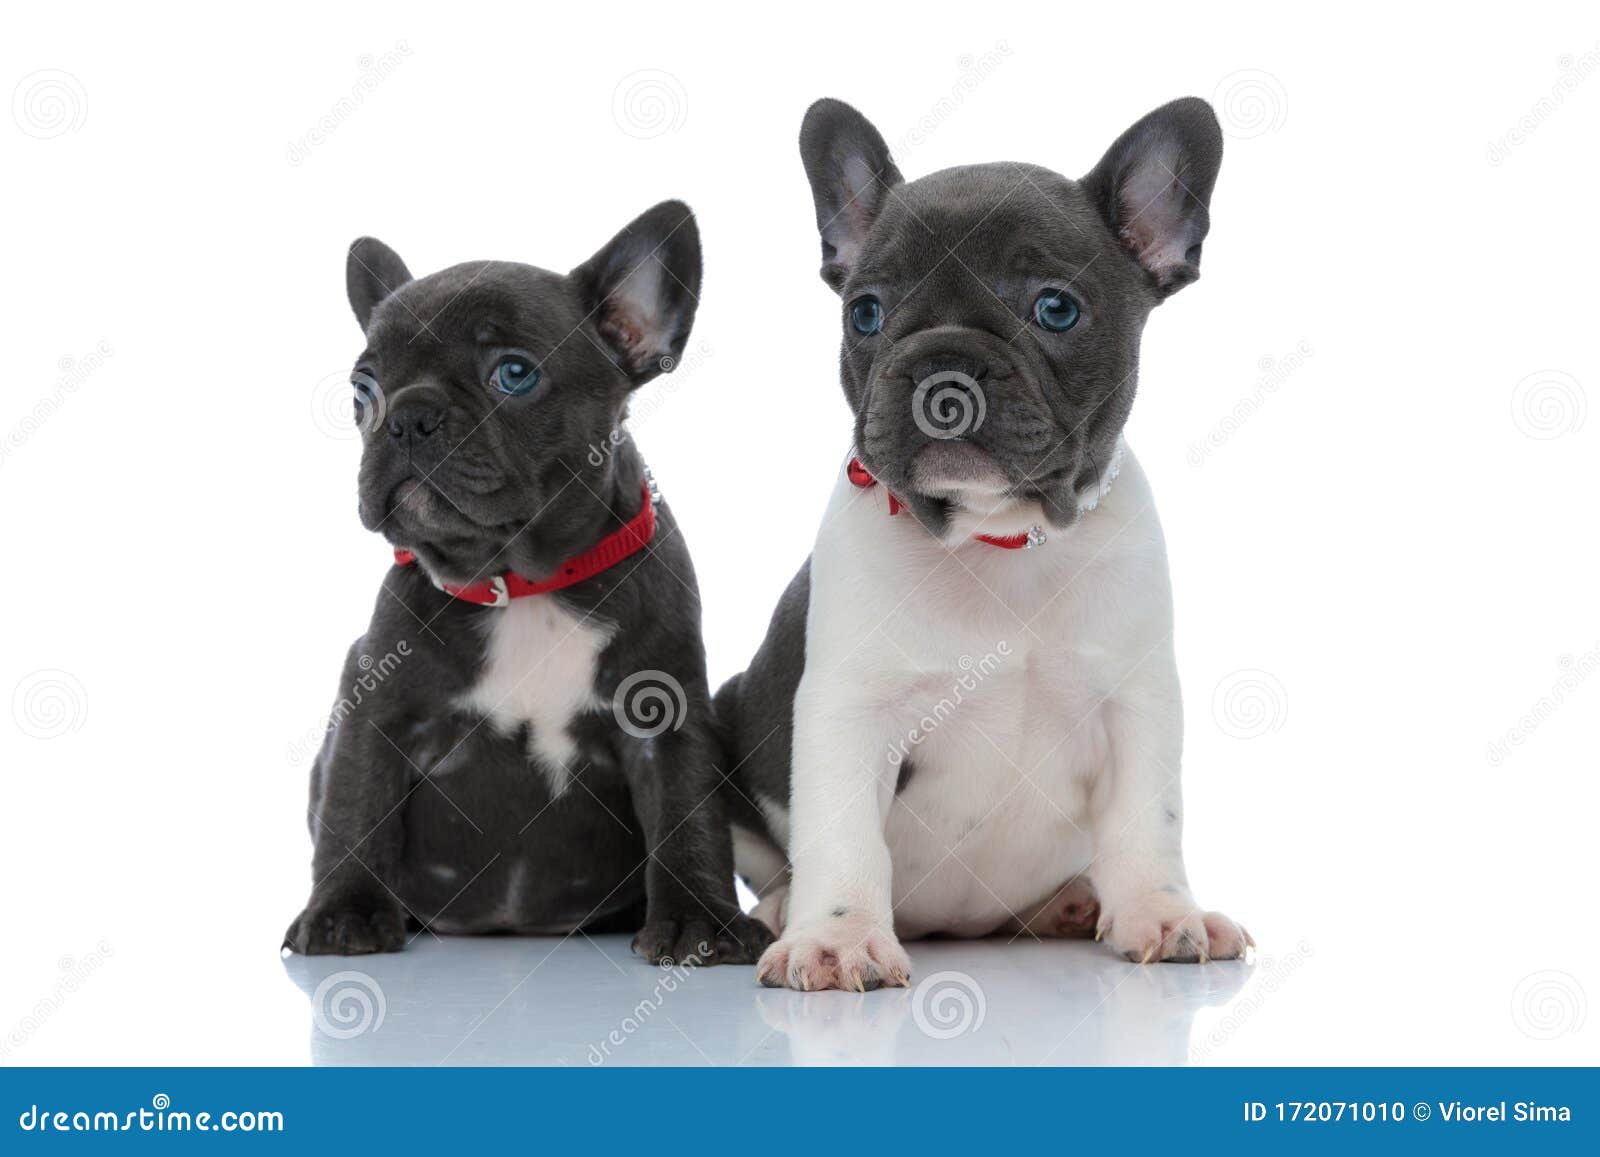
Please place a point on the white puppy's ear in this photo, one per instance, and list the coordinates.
(851, 173)
(1153, 187)
(642, 288)
(372, 271)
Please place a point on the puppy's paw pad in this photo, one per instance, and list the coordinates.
(849, 953)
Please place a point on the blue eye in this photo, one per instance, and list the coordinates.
(515, 376)
(866, 315)
(1055, 311)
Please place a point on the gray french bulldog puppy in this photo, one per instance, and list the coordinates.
(530, 748)
(965, 716)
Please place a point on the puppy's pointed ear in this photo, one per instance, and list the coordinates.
(851, 173)
(372, 271)
(643, 287)
(1153, 187)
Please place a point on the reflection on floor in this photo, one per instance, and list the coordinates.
(582, 1001)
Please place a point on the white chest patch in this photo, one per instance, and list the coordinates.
(539, 668)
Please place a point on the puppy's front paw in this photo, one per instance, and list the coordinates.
(698, 941)
(848, 952)
(1163, 926)
(347, 926)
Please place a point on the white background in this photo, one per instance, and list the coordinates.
(1383, 546)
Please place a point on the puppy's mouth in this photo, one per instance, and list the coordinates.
(956, 466)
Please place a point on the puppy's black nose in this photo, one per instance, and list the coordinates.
(417, 417)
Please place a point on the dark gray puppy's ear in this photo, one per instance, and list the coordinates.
(372, 271)
(643, 287)
(1153, 187)
(851, 173)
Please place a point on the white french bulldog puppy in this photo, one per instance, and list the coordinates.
(965, 717)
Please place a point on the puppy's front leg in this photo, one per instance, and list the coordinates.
(358, 786)
(840, 931)
(692, 914)
(1147, 910)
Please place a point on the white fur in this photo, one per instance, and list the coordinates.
(1035, 694)
(539, 670)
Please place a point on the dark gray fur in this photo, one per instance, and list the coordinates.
(957, 258)
(478, 483)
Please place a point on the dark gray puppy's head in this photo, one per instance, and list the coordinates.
(992, 312)
(484, 387)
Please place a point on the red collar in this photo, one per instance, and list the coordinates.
(859, 476)
(608, 552)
